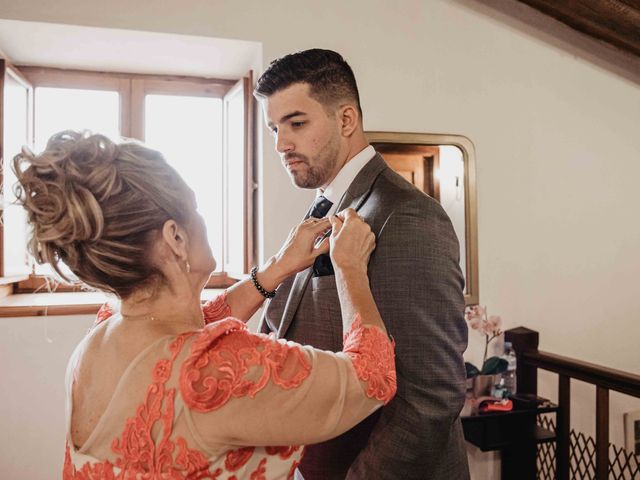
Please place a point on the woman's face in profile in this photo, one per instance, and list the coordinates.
(200, 255)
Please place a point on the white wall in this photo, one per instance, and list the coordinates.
(33, 359)
(556, 131)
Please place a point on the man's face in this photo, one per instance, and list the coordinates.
(307, 136)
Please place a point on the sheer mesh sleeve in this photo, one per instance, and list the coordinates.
(249, 389)
(216, 309)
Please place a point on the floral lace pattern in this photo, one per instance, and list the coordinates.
(105, 312)
(259, 473)
(211, 376)
(224, 361)
(216, 309)
(283, 452)
(372, 354)
(236, 459)
(140, 455)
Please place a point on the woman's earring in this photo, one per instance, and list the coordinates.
(188, 266)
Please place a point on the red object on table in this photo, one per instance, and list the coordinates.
(505, 405)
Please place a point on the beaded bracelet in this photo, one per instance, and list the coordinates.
(259, 287)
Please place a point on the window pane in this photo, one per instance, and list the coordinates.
(188, 131)
(16, 131)
(60, 109)
(234, 167)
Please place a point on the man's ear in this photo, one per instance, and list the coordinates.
(175, 237)
(349, 119)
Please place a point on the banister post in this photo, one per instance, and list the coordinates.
(602, 433)
(523, 340)
(563, 429)
(519, 459)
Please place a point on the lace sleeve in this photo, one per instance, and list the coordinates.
(216, 309)
(227, 361)
(249, 389)
(373, 358)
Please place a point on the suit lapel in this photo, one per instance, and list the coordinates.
(354, 197)
(361, 186)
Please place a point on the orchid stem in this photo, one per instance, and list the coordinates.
(486, 349)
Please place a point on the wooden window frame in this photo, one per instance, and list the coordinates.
(7, 68)
(132, 88)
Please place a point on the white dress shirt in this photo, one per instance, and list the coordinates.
(336, 189)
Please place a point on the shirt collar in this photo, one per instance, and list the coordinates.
(347, 174)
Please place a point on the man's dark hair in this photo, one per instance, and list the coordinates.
(329, 76)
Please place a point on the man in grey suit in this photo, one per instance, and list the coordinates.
(311, 104)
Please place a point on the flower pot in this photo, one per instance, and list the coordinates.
(481, 385)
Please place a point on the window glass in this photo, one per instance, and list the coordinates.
(234, 167)
(58, 109)
(188, 131)
(16, 134)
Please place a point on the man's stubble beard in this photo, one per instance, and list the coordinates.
(324, 164)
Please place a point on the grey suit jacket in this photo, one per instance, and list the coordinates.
(418, 287)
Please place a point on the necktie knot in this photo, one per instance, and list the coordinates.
(321, 206)
(322, 265)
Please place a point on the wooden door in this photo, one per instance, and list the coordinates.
(418, 164)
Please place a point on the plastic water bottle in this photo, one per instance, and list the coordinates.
(510, 381)
(499, 390)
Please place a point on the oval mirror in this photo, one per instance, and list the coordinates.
(442, 166)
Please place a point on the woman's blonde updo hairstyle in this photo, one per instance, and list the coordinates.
(98, 206)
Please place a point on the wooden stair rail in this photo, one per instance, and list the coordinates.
(525, 343)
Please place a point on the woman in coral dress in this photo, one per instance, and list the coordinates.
(167, 389)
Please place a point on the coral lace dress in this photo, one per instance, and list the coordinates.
(223, 403)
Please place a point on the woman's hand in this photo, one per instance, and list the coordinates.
(304, 244)
(301, 247)
(351, 241)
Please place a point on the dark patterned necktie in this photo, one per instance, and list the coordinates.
(320, 207)
(322, 265)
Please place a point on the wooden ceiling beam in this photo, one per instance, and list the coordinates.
(616, 22)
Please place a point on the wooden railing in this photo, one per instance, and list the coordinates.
(525, 343)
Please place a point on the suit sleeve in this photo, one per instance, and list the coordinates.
(418, 287)
(246, 389)
(263, 326)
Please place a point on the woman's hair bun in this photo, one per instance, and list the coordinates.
(92, 203)
(59, 187)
